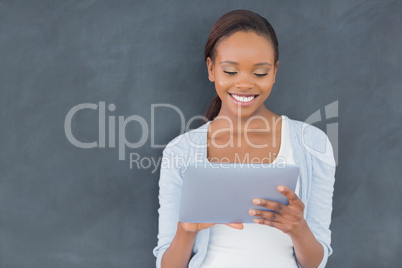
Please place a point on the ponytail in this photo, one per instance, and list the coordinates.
(213, 110)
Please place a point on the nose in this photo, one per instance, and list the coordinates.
(244, 81)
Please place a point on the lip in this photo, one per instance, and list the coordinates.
(243, 103)
(243, 94)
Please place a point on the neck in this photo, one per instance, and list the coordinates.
(262, 119)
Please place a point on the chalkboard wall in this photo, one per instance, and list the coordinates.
(81, 83)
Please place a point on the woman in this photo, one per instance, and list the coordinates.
(241, 55)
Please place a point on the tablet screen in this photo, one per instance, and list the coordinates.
(223, 192)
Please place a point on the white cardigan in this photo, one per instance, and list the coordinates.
(313, 153)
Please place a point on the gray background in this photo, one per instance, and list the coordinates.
(63, 206)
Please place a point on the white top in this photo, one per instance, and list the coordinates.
(256, 245)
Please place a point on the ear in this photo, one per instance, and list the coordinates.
(276, 69)
(210, 67)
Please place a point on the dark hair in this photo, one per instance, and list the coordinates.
(229, 23)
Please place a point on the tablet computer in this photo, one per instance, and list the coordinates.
(215, 192)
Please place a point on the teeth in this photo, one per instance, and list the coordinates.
(243, 99)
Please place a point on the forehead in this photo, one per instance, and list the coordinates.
(245, 46)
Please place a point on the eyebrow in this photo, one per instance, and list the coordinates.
(257, 64)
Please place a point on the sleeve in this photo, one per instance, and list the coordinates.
(170, 183)
(319, 207)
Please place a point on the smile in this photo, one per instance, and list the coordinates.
(243, 99)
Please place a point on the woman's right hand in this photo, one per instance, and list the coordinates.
(196, 227)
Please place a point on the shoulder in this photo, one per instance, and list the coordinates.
(189, 140)
(306, 130)
(313, 140)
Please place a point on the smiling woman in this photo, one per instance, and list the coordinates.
(242, 59)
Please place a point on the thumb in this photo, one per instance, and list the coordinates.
(239, 226)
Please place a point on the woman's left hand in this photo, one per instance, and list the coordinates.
(289, 219)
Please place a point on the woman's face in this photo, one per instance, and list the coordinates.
(243, 73)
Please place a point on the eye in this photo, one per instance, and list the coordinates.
(233, 73)
(230, 73)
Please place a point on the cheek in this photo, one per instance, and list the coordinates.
(223, 83)
(266, 84)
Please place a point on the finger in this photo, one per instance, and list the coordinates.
(278, 225)
(205, 225)
(272, 205)
(275, 224)
(239, 226)
(194, 227)
(288, 193)
(269, 215)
